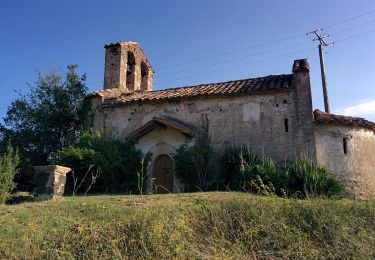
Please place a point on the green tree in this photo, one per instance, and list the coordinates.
(8, 165)
(45, 119)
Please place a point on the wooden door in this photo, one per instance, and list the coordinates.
(163, 174)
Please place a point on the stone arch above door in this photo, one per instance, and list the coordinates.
(163, 136)
(157, 150)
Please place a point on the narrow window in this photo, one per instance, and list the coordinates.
(144, 76)
(130, 71)
(345, 145)
(286, 124)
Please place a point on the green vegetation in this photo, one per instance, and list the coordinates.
(44, 120)
(193, 163)
(8, 165)
(101, 164)
(194, 226)
(244, 171)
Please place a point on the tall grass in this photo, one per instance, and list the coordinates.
(191, 226)
(244, 171)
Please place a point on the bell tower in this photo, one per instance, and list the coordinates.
(127, 68)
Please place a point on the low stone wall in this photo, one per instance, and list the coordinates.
(50, 181)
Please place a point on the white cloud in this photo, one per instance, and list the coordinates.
(364, 109)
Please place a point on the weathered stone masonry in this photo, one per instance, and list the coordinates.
(273, 114)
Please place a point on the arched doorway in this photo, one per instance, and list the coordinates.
(163, 175)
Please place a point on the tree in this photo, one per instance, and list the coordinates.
(46, 118)
(8, 165)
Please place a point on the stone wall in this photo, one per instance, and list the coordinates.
(277, 124)
(257, 120)
(115, 72)
(354, 165)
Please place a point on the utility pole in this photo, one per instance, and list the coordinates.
(322, 43)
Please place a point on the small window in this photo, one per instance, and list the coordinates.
(286, 124)
(345, 145)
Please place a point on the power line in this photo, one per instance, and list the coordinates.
(240, 65)
(259, 53)
(267, 43)
(237, 58)
(348, 20)
(354, 36)
(230, 52)
(270, 58)
(235, 66)
(264, 43)
(353, 27)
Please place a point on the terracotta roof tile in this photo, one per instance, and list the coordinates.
(236, 87)
(326, 118)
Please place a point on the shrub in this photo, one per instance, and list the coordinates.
(8, 165)
(101, 165)
(194, 163)
(244, 171)
(311, 180)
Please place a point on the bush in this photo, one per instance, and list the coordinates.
(244, 171)
(303, 176)
(101, 164)
(193, 163)
(8, 165)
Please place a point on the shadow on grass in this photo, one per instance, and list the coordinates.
(20, 198)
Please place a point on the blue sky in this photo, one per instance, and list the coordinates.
(42, 34)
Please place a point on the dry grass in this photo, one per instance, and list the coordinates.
(201, 225)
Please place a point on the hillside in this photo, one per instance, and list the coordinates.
(201, 225)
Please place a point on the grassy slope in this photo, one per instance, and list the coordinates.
(201, 225)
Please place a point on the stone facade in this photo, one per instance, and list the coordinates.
(273, 114)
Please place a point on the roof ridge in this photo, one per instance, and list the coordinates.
(326, 118)
(221, 82)
(231, 87)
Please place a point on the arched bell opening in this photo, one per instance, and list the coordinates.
(130, 71)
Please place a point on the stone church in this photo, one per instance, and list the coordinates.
(273, 114)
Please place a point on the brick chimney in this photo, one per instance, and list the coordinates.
(303, 106)
(301, 66)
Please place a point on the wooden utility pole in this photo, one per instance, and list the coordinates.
(324, 82)
(322, 43)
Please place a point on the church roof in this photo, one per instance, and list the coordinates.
(229, 88)
(326, 118)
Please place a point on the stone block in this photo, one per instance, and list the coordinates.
(50, 181)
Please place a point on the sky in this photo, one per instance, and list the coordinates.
(195, 41)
